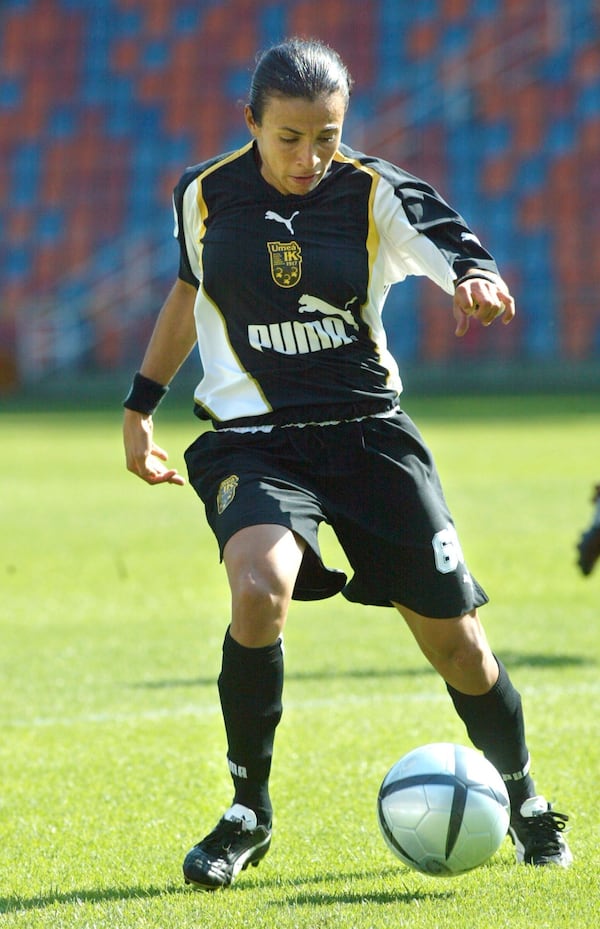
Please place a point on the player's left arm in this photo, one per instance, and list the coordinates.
(484, 296)
(426, 236)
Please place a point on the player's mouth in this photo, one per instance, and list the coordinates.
(305, 180)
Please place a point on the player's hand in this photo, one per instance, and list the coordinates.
(482, 300)
(142, 455)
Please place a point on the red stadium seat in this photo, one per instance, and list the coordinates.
(455, 10)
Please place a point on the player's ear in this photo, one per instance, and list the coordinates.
(250, 121)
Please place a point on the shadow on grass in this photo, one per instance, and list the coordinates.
(302, 892)
(322, 675)
(377, 896)
(510, 659)
(18, 903)
(516, 660)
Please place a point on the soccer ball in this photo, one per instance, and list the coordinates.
(443, 809)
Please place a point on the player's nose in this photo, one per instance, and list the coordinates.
(307, 156)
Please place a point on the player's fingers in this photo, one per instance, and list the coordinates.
(153, 472)
(144, 464)
(509, 310)
(489, 312)
(462, 322)
(159, 452)
(484, 299)
(492, 306)
(167, 477)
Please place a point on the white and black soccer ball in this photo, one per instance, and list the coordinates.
(443, 809)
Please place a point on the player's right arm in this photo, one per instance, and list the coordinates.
(171, 342)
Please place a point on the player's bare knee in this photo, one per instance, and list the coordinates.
(261, 598)
(469, 657)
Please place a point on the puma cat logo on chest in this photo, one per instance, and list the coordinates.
(270, 214)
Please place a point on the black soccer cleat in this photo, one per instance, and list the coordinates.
(588, 545)
(236, 842)
(536, 831)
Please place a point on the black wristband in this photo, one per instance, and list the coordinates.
(144, 395)
(481, 274)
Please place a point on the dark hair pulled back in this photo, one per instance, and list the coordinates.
(298, 68)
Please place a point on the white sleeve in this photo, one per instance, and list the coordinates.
(407, 251)
(192, 222)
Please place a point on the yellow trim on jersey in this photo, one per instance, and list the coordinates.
(373, 233)
(379, 342)
(373, 238)
(215, 167)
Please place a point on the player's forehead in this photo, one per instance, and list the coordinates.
(325, 111)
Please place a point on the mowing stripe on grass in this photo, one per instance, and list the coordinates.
(201, 710)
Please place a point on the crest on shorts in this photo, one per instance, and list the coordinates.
(286, 262)
(226, 492)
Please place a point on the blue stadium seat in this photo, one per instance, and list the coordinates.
(21, 5)
(11, 93)
(561, 135)
(588, 103)
(273, 24)
(18, 263)
(532, 173)
(186, 18)
(25, 174)
(62, 121)
(50, 224)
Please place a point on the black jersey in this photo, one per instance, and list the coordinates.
(291, 288)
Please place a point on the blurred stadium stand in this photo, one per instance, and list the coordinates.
(102, 105)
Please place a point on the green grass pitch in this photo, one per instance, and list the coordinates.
(112, 613)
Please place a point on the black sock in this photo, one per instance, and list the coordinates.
(495, 725)
(250, 688)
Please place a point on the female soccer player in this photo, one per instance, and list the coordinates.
(288, 248)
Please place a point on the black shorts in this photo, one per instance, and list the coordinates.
(374, 482)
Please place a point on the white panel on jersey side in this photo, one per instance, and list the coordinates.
(226, 390)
